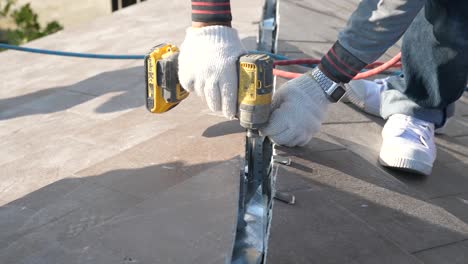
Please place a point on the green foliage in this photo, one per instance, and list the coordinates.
(26, 21)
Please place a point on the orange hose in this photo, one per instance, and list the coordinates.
(380, 69)
(286, 74)
(296, 62)
(376, 67)
(315, 61)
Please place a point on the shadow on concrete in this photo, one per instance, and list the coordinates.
(125, 85)
(223, 129)
(147, 214)
(348, 206)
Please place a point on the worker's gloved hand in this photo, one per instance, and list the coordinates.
(207, 66)
(299, 108)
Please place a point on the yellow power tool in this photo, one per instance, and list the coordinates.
(164, 92)
(255, 90)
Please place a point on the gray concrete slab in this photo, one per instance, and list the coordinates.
(456, 204)
(88, 176)
(454, 253)
(340, 186)
(457, 126)
(82, 208)
(344, 113)
(192, 154)
(162, 229)
(389, 207)
(54, 162)
(183, 217)
(452, 149)
(361, 138)
(29, 134)
(317, 230)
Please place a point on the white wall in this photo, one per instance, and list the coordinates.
(69, 12)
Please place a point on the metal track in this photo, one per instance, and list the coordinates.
(256, 182)
(255, 202)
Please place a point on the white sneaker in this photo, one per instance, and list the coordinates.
(366, 95)
(408, 144)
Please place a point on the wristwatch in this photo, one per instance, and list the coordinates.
(334, 91)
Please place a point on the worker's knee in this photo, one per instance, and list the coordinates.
(449, 22)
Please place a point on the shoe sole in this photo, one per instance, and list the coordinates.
(407, 165)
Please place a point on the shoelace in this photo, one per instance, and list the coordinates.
(419, 130)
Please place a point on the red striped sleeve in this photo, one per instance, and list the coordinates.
(210, 4)
(340, 65)
(211, 11)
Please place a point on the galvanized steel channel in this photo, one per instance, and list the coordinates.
(254, 214)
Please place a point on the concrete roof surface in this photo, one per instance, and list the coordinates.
(350, 209)
(88, 176)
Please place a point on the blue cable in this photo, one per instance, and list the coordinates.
(121, 57)
(73, 54)
(107, 56)
(272, 55)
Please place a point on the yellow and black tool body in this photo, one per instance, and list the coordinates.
(255, 90)
(163, 90)
(255, 73)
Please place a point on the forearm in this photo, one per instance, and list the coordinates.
(211, 12)
(371, 30)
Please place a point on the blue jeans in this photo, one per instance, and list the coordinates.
(435, 64)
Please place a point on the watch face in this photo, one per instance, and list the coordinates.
(338, 93)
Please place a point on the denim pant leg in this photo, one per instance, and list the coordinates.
(435, 64)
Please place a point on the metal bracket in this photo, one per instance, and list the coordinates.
(267, 27)
(281, 160)
(278, 195)
(285, 197)
(267, 32)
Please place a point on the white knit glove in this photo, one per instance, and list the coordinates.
(299, 108)
(208, 66)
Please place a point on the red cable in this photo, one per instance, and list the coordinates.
(376, 67)
(286, 74)
(380, 69)
(296, 61)
(315, 61)
(378, 63)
